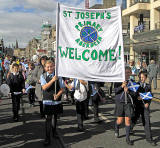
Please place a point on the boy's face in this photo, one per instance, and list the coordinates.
(50, 67)
(143, 78)
(15, 69)
(128, 73)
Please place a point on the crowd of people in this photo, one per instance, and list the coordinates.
(151, 70)
(37, 79)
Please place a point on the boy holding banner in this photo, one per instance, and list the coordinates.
(124, 105)
(52, 91)
(142, 106)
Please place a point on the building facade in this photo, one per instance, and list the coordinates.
(124, 4)
(109, 3)
(19, 52)
(1, 47)
(32, 47)
(142, 41)
(44, 44)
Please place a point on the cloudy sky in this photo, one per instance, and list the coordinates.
(22, 19)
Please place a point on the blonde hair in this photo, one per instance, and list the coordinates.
(49, 62)
(152, 62)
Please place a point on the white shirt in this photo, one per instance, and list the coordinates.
(81, 93)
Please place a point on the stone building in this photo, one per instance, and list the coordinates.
(19, 52)
(45, 44)
(1, 47)
(46, 41)
(143, 39)
(32, 47)
(109, 3)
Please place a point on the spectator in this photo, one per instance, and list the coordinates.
(138, 66)
(153, 72)
(144, 67)
(38, 71)
(6, 65)
(133, 69)
(30, 84)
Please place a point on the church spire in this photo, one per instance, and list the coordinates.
(16, 44)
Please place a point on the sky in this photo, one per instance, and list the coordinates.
(21, 20)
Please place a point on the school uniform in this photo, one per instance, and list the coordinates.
(144, 112)
(124, 101)
(95, 99)
(123, 107)
(80, 97)
(71, 92)
(51, 107)
(16, 83)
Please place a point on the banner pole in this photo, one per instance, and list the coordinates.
(57, 43)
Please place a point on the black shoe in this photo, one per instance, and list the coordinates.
(131, 132)
(42, 116)
(55, 135)
(151, 142)
(80, 129)
(116, 134)
(47, 142)
(86, 117)
(97, 120)
(16, 118)
(129, 142)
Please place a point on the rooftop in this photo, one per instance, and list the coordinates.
(97, 6)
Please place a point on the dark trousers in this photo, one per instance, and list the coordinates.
(95, 102)
(72, 97)
(50, 124)
(140, 110)
(41, 108)
(86, 108)
(15, 104)
(80, 110)
(110, 89)
(31, 95)
(1, 77)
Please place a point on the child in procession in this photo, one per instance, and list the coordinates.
(80, 96)
(142, 107)
(124, 105)
(16, 83)
(52, 91)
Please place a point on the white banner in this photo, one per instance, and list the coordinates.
(90, 44)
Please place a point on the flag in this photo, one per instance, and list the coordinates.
(90, 44)
(146, 96)
(29, 87)
(133, 86)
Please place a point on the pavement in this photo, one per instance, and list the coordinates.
(102, 135)
(29, 131)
